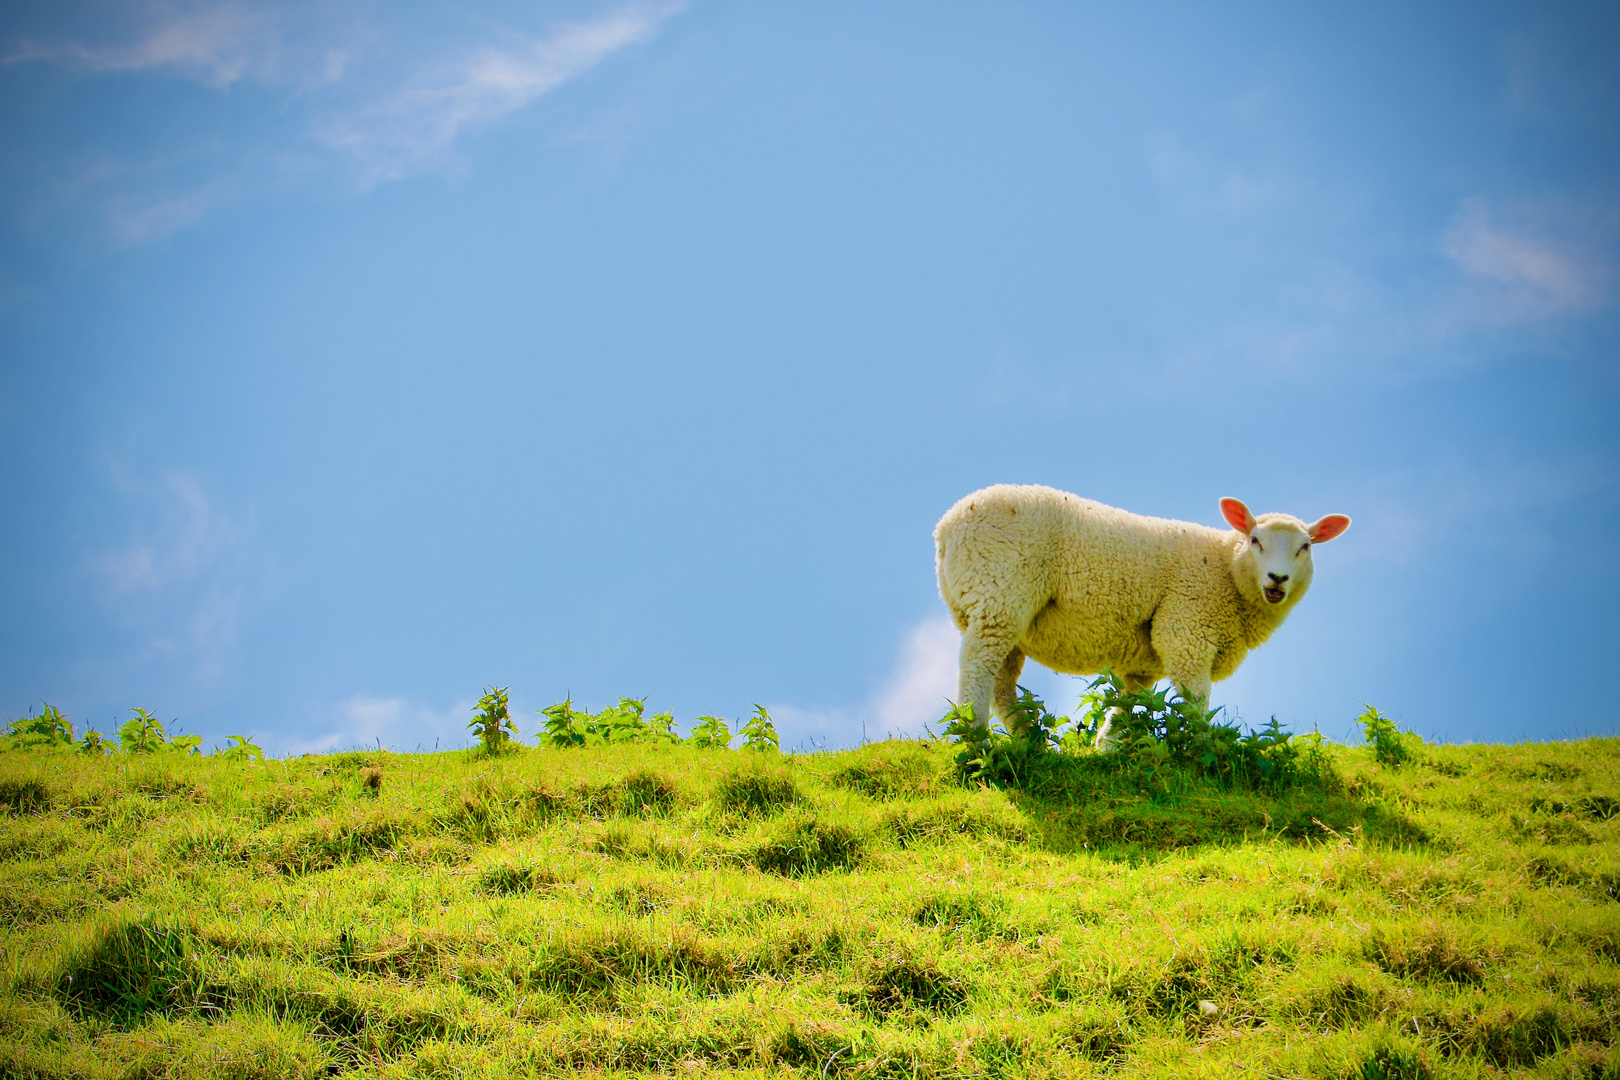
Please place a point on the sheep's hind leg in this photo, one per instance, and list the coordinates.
(1007, 691)
(986, 651)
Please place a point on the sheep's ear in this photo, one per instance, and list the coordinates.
(1238, 516)
(1328, 528)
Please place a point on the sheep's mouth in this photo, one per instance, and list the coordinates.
(1274, 594)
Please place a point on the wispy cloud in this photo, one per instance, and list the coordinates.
(420, 122)
(1526, 266)
(398, 722)
(313, 93)
(191, 535)
(215, 44)
(188, 577)
(137, 218)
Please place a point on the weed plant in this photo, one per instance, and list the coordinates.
(640, 907)
(492, 723)
(1390, 745)
(143, 734)
(760, 733)
(50, 728)
(710, 733)
(625, 722)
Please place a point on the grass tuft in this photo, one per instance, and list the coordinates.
(507, 879)
(910, 982)
(804, 843)
(1394, 1059)
(756, 790)
(1434, 952)
(645, 791)
(129, 970)
(24, 796)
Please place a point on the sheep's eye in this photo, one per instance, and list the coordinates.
(1303, 548)
(1255, 540)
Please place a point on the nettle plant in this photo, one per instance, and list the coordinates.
(1391, 746)
(492, 720)
(624, 722)
(1151, 731)
(50, 728)
(709, 733)
(241, 748)
(759, 733)
(143, 734)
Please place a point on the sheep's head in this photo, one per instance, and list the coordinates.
(1272, 562)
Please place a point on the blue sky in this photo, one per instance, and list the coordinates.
(356, 356)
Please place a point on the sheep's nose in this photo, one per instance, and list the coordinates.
(1277, 579)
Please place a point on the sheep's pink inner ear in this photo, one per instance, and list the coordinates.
(1237, 515)
(1328, 528)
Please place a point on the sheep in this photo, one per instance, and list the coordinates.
(1030, 571)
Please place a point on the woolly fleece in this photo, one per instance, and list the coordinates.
(1083, 588)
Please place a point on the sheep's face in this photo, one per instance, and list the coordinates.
(1273, 558)
(1280, 554)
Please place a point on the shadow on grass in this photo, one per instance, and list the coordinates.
(1113, 808)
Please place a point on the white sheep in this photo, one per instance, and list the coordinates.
(1085, 588)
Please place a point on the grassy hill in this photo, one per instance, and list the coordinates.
(663, 909)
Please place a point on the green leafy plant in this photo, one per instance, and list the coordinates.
(759, 733)
(50, 728)
(241, 748)
(565, 726)
(1391, 746)
(627, 721)
(492, 720)
(662, 728)
(995, 756)
(624, 722)
(182, 744)
(94, 743)
(709, 733)
(961, 725)
(141, 734)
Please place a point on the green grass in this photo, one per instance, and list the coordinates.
(641, 909)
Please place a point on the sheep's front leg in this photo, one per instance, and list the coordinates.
(1196, 692)
(1188, 652)
(1193, 686)
(987, 649)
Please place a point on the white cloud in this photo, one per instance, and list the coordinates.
(421, 122)
(914, 696)
(390, 722)
(923, 682)
(1524, 266)
(215, 44)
